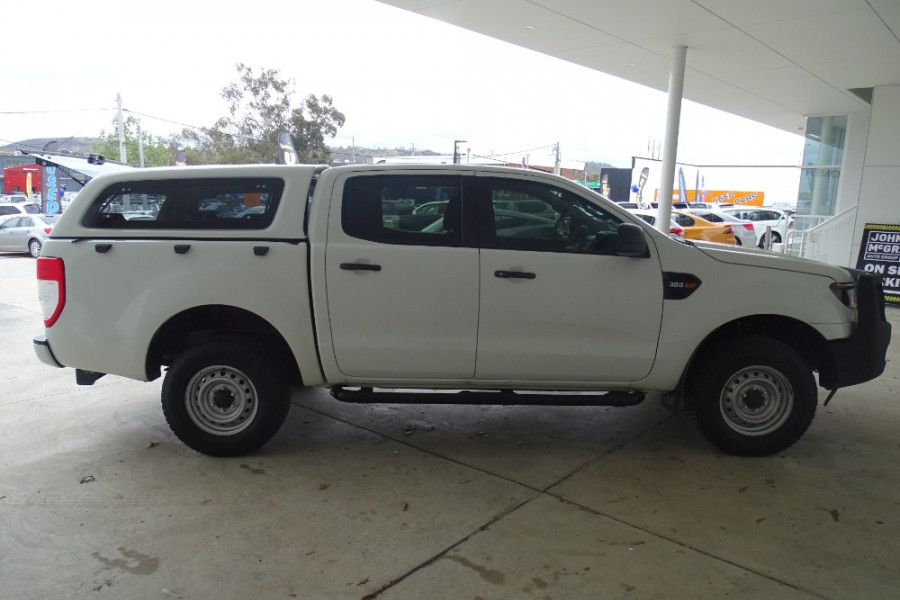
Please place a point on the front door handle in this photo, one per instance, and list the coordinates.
(360, 267)
(514, 275)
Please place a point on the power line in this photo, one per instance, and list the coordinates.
(46, 112)
(519, 151)
(140, 114)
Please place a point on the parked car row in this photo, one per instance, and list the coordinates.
(744, 232)
(692, 227)
(748, 224)
(14, 198)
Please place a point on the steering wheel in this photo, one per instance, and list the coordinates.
(578, 238)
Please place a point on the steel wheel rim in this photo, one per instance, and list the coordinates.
(756, 400)
(221, 400)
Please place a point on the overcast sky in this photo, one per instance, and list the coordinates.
(400, 79)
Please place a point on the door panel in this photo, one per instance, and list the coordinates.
(12, 236)
(581, 317)
(402, 293)
(557, 303)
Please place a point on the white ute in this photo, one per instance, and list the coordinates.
(242, 281)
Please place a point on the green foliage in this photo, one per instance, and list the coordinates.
(157, 152)
(260, 107)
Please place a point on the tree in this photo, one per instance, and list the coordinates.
(157, 152)
(259, 108)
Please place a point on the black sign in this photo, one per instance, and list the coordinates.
(879, 253)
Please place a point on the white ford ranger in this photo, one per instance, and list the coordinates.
(448, 284)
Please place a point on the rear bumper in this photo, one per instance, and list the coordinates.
(44, 352)
(861, 357)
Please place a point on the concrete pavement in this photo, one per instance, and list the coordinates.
(99, 500)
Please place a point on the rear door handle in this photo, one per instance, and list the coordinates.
(360, 267)
(514, 275)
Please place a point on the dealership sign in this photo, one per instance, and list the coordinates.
(879, 253)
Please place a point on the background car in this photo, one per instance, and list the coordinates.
(692, 227)
(786, 207)
(649, 216)
(19, 209)
(780, 222)
(698, 228)
(744, 231)
(421, 216)
(26, 233)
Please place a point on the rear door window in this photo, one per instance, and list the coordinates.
(220, 203)
(418, 210)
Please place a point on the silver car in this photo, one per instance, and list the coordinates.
(26, 233)
(744, 233)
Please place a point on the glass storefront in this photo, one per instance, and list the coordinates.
(820, 173)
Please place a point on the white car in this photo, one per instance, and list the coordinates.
(744, 231)
(780, 222)
(8, 210)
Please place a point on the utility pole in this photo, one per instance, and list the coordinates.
(122, 158)
(556, 164)
(140, 145)
(456, 144)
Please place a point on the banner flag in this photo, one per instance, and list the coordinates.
(286, 153)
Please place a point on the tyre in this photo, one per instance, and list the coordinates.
(34, 248)
(225, 398)
(755, 397)
(776, 239)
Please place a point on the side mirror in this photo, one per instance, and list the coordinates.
(630, 241)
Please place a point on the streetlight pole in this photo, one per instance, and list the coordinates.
(456, 144)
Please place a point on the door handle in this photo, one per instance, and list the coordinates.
(514, 275)
(360, 267)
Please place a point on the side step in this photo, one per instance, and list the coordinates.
(495, 397)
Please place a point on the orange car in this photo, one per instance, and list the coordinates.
(696, 228)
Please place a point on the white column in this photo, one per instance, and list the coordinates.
(673, 121)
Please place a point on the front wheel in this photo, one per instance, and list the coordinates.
(755, 397)
(225, 398)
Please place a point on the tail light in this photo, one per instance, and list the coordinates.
(728, 230)
(51, 276)
(748, 226)
(47, 230)
(676, 230)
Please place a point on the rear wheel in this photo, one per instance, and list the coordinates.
(225, 398)
(753, 398)
(776, 239)
(34, 248)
